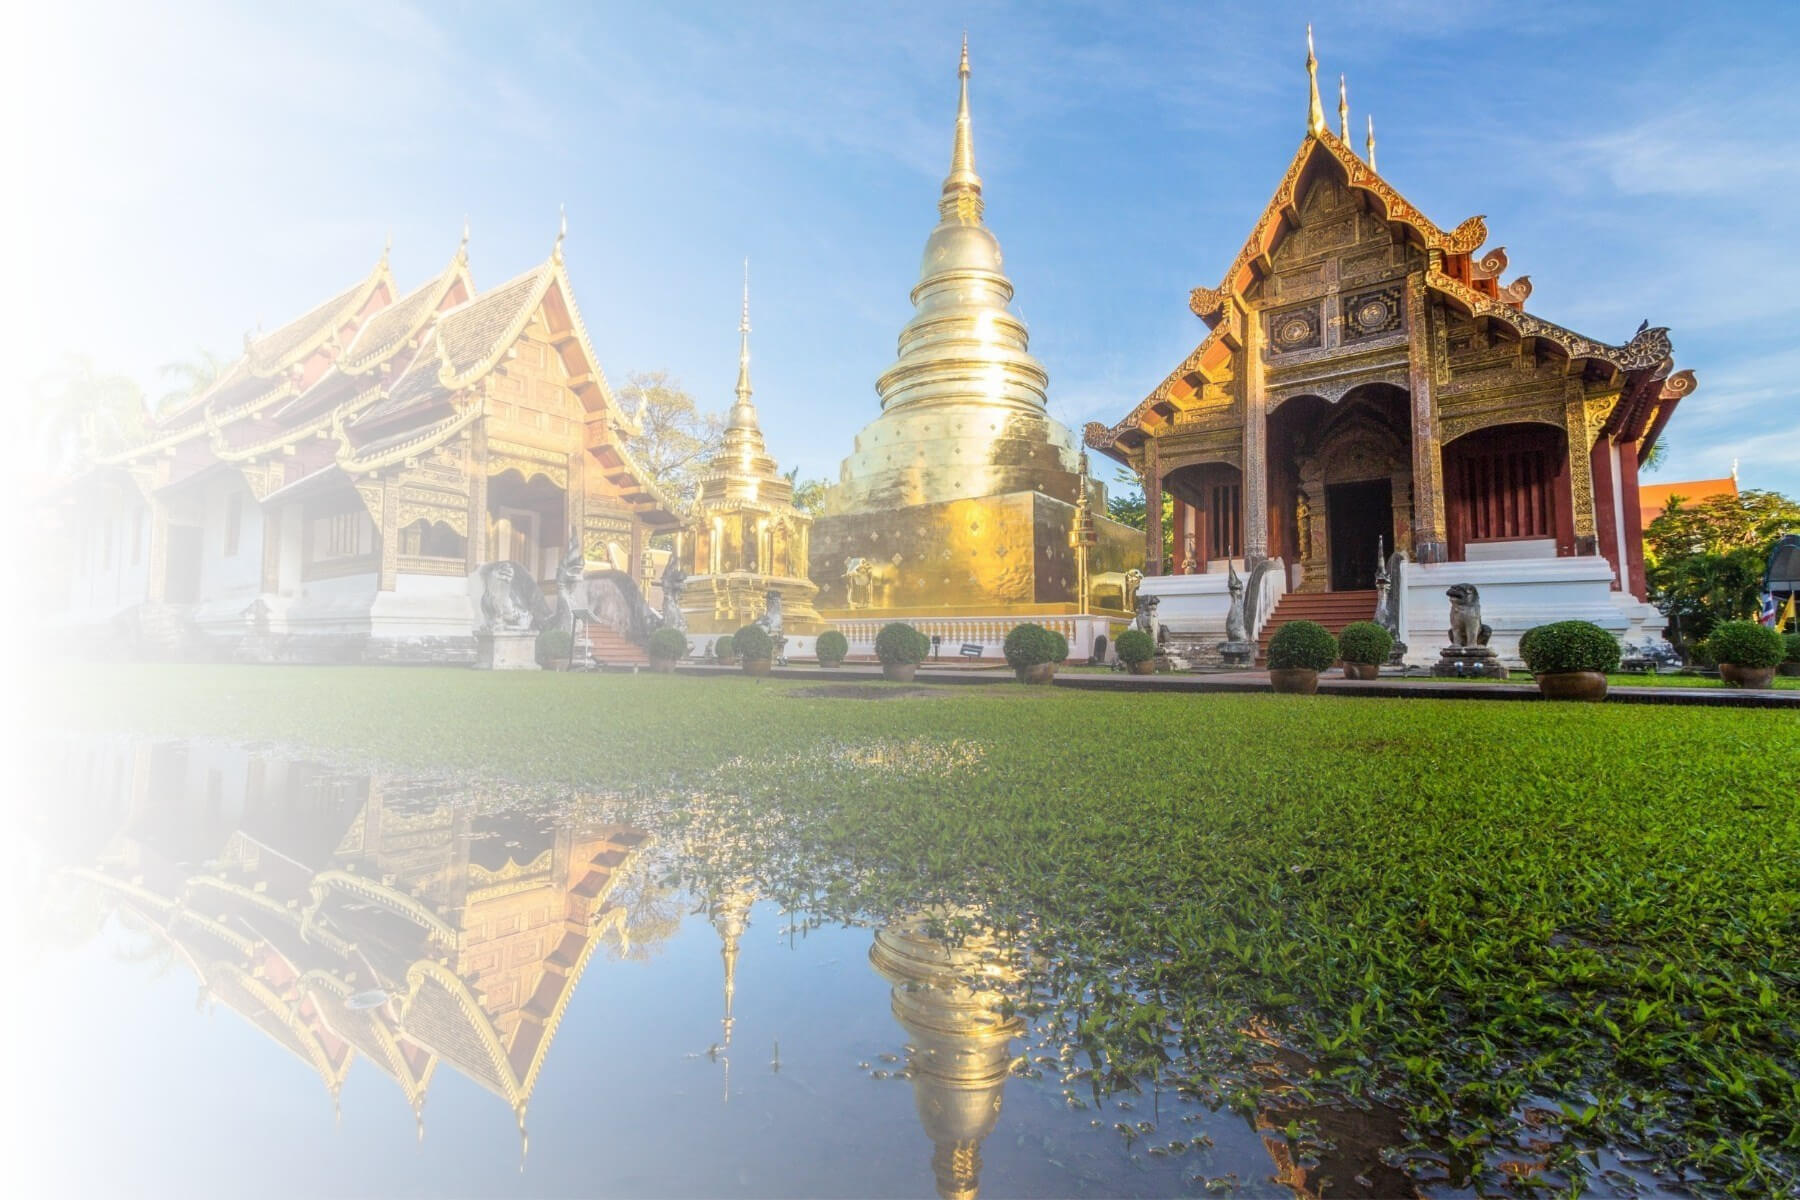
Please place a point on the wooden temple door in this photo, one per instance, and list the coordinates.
(1359, 516)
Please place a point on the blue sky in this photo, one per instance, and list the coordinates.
(200, 167)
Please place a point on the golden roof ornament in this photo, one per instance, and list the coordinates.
(1370, 144)
(562, 231)
(1315, 112)
(962, 187)
(462, 248)
(743, 381)
(1343, 111)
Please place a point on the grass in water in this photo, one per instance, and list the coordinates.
(1465, 909)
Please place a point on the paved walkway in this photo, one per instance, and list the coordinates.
(1330, 684)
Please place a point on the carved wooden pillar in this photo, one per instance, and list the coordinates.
(1581, 475)
(1606, 507)
(271, 548)
(388, 530)
(476, 551)
(575, 500)
(1430, 541)
(1256, 445)
(1631, 555)
(1153, 531)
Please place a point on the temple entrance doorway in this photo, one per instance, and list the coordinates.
(1360, 515)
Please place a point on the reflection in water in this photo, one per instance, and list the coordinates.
(947, 997)
(343, 915)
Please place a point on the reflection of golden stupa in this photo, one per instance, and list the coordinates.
(730, 916)
(947, 999)
(748, 539)
(960, 496)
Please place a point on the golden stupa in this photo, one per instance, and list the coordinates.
(960, 498)
(747, 540)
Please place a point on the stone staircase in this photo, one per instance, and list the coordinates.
(611, 649)
(1333, 610)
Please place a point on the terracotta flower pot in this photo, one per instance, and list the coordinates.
(1746, 677)
(662, 666)
(757, 666)
(1039, 673)
(1572, 685)
(1362, 670)
(1147, 667)
(898, 672)
(1297, 681)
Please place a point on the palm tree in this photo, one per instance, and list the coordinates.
(79, 413)
(193, 375)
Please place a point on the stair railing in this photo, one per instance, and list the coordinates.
(1264, 590)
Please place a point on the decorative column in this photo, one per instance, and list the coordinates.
(388, 530)
(1606, 507)
(271, 548)
(476, 542)
(1581, 475)
(1431, 543)
(1256, 445)
(1153, 530)
(1631, 554)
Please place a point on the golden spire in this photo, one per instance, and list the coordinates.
(743, 383)
(962, 187)
(462, 249)
(1315, 112)
(1371, 142)
(1343, 111)
(562, 231)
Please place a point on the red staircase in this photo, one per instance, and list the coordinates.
(614, 650)
(1333, 610)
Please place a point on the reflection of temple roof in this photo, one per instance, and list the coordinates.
(436, 975)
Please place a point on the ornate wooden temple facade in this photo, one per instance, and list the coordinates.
(1368, 384)
(329, 496)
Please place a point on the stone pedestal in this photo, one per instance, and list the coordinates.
(506, 650)
(1240, 655)
(1464, 662)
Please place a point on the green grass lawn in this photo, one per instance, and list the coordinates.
(1463, 908)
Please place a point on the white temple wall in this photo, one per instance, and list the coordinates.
(231, 533)
(109, 561)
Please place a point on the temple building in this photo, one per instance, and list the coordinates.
(328, 497)
(1368, 386)
(748, 542)
(956, 507)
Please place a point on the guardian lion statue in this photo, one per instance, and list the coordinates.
(1146, 618)
(506, 597)
(674, 579)
(1466, 628)
(875, 581)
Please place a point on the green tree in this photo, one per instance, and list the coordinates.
(191, 376)
(809, 494)
(1125, 504)
(674, 436)
(1704, 562)
(79, 413)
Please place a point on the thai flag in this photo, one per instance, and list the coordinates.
(1768, 609)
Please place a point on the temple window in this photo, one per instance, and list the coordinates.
(1225, 537)
(234, 525)
(339, 541)
(432, 539)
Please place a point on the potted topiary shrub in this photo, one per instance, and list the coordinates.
(1364, 646)
(667, 647)
(554, 649)
(1137, 650)
(1747, 653)
(1791, 664)
(1034, 652)
(755, 649)
(725, 650)
(831, 648)
(1297, 653)
(901, 649)
(1570, 659)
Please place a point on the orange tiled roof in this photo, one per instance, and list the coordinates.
(1654, 498)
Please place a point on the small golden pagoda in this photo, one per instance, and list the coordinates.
(959, 499)
(747, 538)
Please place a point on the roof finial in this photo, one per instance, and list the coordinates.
(1371, 142)
(562, 231)
(962, 187)
(743, 382)
(462, 247)
(1343, 111)
(1315, 112)
(387, 247)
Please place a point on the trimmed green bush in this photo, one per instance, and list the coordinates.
(1793, 648)
(554, 645)
(831, 646)
(1365, 642)
(1302, 645)
(1746, 644)
(671, 644)
(899, 643)
(1135, 646)
(1031, 645)
(754, 643)
(1562, 647)
(724, 648)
